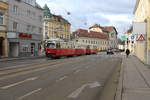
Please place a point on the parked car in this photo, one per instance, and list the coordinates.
(109, 51)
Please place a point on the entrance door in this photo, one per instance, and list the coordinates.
(14, 49)
(32, 49)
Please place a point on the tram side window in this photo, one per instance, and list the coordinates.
(58, 45)
(51, 45)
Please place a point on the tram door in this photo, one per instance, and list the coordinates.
(32, 49)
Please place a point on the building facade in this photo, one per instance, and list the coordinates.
(110, 31)
(142, 15)
(3, 28)
(24, 29)
(55, 26)
(96, 39)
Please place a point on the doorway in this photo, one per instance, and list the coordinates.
(14, 49)
(32, 49)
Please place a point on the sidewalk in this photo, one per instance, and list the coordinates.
(134, 81)
(2, 59)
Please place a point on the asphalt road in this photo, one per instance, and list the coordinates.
(77, 78)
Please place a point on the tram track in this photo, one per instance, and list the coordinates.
(11, 70)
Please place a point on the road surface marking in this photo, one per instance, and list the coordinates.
(14, 84)
(94, 85)
(86, 67)
(77, 71)
(62, 78)
(28, 94)
(78, 91)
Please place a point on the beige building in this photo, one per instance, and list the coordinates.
(55, 26)
(108, 30)
(93, 39)
(3, 28)
(142, 14)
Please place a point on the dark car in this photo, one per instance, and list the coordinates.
(109, 51)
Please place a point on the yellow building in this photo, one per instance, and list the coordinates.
(3, 28)
(92, 39)
(142, 14)
(55, 26)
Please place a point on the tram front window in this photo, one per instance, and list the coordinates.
(51, 45)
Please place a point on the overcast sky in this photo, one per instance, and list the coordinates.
(84, 13)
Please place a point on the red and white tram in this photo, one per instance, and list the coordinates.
(56, 48)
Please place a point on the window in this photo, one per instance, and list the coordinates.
(33, 14)
(1, 18)
(33, 27)
(15, 9)
(40, 18)
(15, 25)
(28, 28)
(28, 12)
(40, 30)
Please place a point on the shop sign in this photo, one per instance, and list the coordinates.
(11, 35)
(24, 35)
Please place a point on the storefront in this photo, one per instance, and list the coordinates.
(22, 44)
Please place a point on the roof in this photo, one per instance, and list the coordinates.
(49, 15)
(129, 31)
(108, 28)
(61, 19)
(95, 26)
(90, 34)
(47, 12)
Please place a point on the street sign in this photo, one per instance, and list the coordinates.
(132, 37)
(141, 38)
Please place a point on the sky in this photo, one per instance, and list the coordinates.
(84, 13)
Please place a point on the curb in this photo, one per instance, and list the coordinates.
(20, 58)
(119, 91)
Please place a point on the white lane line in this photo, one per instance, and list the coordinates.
(78, 91)
(14, 84)
(28, 94)
(77, 71)
(62, 78)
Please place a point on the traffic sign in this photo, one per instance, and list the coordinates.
(132, 37)
(141, 38)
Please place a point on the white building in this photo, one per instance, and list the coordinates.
(24, 27)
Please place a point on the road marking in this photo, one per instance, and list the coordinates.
(62, 78)
(14, 84)
(94, 85)
(78, 91)
(28, 94)
(86, 67)
(77, 71)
